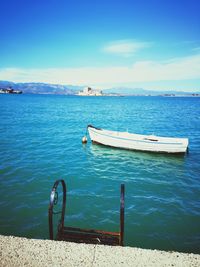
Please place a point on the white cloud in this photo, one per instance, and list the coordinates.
(125, 47)
(142, 71)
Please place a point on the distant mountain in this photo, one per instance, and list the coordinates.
(42, 88)
(6, 83)
(126, 91)
(141, 91)
(46, 88)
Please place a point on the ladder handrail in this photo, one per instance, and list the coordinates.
(121, 243)
(53, 199)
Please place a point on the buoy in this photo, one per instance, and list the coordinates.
(84, 140)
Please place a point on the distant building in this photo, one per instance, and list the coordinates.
(88, 91)
(9, 90)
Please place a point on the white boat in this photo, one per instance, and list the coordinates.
(131, 141)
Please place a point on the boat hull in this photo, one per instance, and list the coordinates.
(130, 141)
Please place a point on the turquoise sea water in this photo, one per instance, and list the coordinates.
(40, 141)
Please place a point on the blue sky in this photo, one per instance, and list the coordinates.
(154, 44)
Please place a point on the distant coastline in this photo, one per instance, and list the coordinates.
(7, 87)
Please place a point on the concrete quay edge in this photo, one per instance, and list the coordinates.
(17, 251)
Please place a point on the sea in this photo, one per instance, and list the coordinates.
(40, 142)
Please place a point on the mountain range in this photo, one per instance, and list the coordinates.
(145, 92)
(46, 88)
(41, 88)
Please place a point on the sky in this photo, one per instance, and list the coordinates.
(150, 44)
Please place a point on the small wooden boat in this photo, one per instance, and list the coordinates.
(131, 141)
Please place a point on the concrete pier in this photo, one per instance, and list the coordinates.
(15, 252)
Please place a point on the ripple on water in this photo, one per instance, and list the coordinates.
(41, 142)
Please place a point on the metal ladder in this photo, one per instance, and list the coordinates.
(89, 236)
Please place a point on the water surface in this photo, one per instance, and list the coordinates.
(41, 142)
